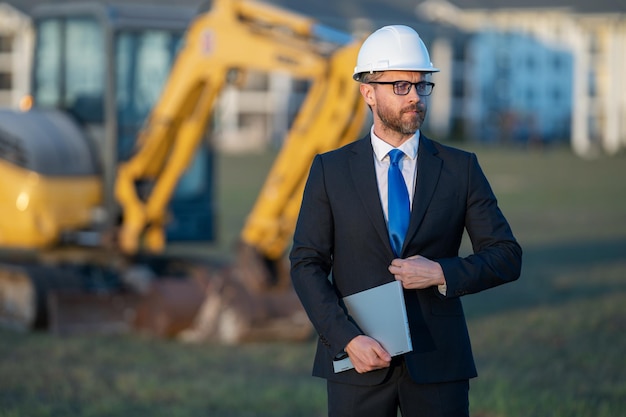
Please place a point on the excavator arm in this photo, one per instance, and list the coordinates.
(240, 36)
(331, 116)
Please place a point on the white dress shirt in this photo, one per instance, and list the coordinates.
(408, 166)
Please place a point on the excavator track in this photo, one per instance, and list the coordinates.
(64, 299)
(18, 298)
(26, 291)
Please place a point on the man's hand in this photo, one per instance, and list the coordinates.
(417, 272)
(366, 354)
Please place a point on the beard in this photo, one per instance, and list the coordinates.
(404, 122)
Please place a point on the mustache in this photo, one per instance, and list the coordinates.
(416, 107)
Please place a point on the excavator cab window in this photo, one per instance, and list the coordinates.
(106, 66)
(70, 72)
(70, 67)
(143, 62)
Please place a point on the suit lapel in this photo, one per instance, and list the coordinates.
(364, 177)
(428, 171)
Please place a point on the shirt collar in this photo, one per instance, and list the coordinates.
(382, 148)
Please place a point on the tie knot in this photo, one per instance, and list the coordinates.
(395, 155)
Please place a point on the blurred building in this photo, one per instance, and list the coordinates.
(537, 72)
(513, 71)
(16, 42)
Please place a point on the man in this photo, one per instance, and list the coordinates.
(342, 244)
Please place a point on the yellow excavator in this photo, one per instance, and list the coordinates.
(110, 161)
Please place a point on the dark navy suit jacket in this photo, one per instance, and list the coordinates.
(341, 246)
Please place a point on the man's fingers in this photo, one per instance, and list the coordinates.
(367, 354)
(382, 353)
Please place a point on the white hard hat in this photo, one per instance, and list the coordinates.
(393, 48)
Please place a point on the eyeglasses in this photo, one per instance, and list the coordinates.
(402, 88)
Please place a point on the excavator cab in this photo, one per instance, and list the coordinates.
(105, 66)
(98, 70)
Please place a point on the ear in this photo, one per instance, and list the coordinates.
(367, 91)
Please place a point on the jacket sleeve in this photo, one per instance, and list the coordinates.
(497, 257)
(311, 264)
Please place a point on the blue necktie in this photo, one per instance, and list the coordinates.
(398, 201)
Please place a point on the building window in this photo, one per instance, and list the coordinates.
(458, 88)
(458, 52)
(5, 81)
(6, 43)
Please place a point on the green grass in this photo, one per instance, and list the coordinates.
(551, 344)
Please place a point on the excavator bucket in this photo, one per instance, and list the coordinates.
(218, 304)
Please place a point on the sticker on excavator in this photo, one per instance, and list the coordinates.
(207, 42)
